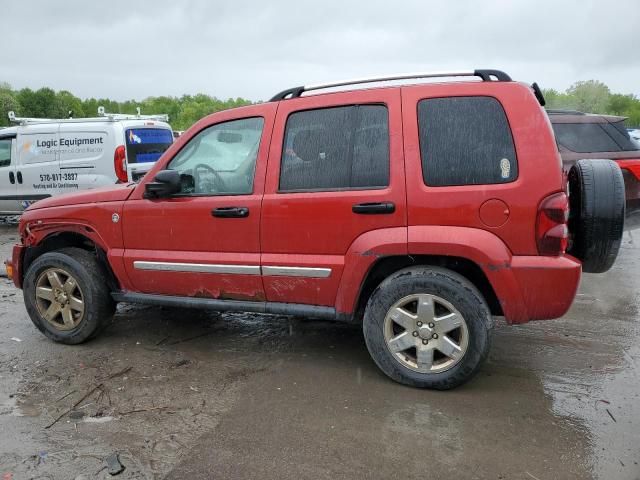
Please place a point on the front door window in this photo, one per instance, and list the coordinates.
(221, 159)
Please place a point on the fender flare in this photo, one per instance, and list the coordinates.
(481, 247)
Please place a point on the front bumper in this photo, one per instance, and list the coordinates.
(14, 265)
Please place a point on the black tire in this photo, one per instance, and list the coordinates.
(90, 275)
(453, 288)
(596, 221)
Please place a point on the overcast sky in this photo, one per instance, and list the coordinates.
(253, 49)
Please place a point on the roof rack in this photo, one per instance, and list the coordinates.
(163, 117)
(102, 117)
(485, 75)
(559, 111)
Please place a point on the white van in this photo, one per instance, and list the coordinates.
(40, 158)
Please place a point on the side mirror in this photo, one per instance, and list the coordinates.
(165, 184)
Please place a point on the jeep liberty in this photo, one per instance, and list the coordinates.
(419, 210)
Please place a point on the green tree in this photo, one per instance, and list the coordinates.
(621, 104)
(590, 96)
(559, 100)
(68, 102)
(8, 102)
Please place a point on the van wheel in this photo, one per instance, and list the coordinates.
(427, 327)
(66, 295)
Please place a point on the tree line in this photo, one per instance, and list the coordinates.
(45, 102)
(590, 96)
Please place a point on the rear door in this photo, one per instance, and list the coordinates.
(335, 172)
(144, 145)
(8, 186)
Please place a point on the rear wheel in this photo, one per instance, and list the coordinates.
(596, 222)
(66, 296)
(427, 327)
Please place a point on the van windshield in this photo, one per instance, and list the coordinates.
(147, 144)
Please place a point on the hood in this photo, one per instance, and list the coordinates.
(112, 193)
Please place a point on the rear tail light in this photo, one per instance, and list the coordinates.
(631, 165)
(120, 164)
(552, 233)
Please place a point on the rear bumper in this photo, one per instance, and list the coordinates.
(538, 288)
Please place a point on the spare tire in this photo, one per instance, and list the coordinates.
(596, 218)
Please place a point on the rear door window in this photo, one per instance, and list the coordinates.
(465, 141)
(336, 148)
(147, 144)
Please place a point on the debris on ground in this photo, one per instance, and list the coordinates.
(181, 363)
(16, 339)
(86, 395)
(76, 415)
(113, 464)
(139, 410)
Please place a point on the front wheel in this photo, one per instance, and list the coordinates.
(66, 296)
(427, 327)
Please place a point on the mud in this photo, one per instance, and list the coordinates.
(188, 394)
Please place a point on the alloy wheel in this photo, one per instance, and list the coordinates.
(426, 333)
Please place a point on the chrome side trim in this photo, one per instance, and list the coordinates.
(197, 267)
(310, 272)
(272, 271)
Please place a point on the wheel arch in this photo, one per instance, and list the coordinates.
(58, 240)
(386, 266)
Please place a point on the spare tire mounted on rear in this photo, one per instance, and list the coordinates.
(596, 220)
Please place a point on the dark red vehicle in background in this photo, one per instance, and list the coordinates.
(580, 135)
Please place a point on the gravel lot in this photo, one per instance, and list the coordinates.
(189, 394)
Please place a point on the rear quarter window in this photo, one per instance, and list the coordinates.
(465, 141)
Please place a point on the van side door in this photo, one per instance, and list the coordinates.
(85, 156)
(37, 171)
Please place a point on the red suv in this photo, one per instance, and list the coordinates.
(421, 211)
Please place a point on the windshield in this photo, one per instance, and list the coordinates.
(147, 144)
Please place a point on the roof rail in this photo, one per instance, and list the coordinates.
(485, 75)
(102, 117)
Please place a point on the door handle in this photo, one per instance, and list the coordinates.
(230, 212)
(19, 177)
(12, 178)
(373, 208)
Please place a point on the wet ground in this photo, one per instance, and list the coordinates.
(183, 394)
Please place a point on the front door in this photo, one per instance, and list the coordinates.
(8, 185)
(204, 241)
(336, 172)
